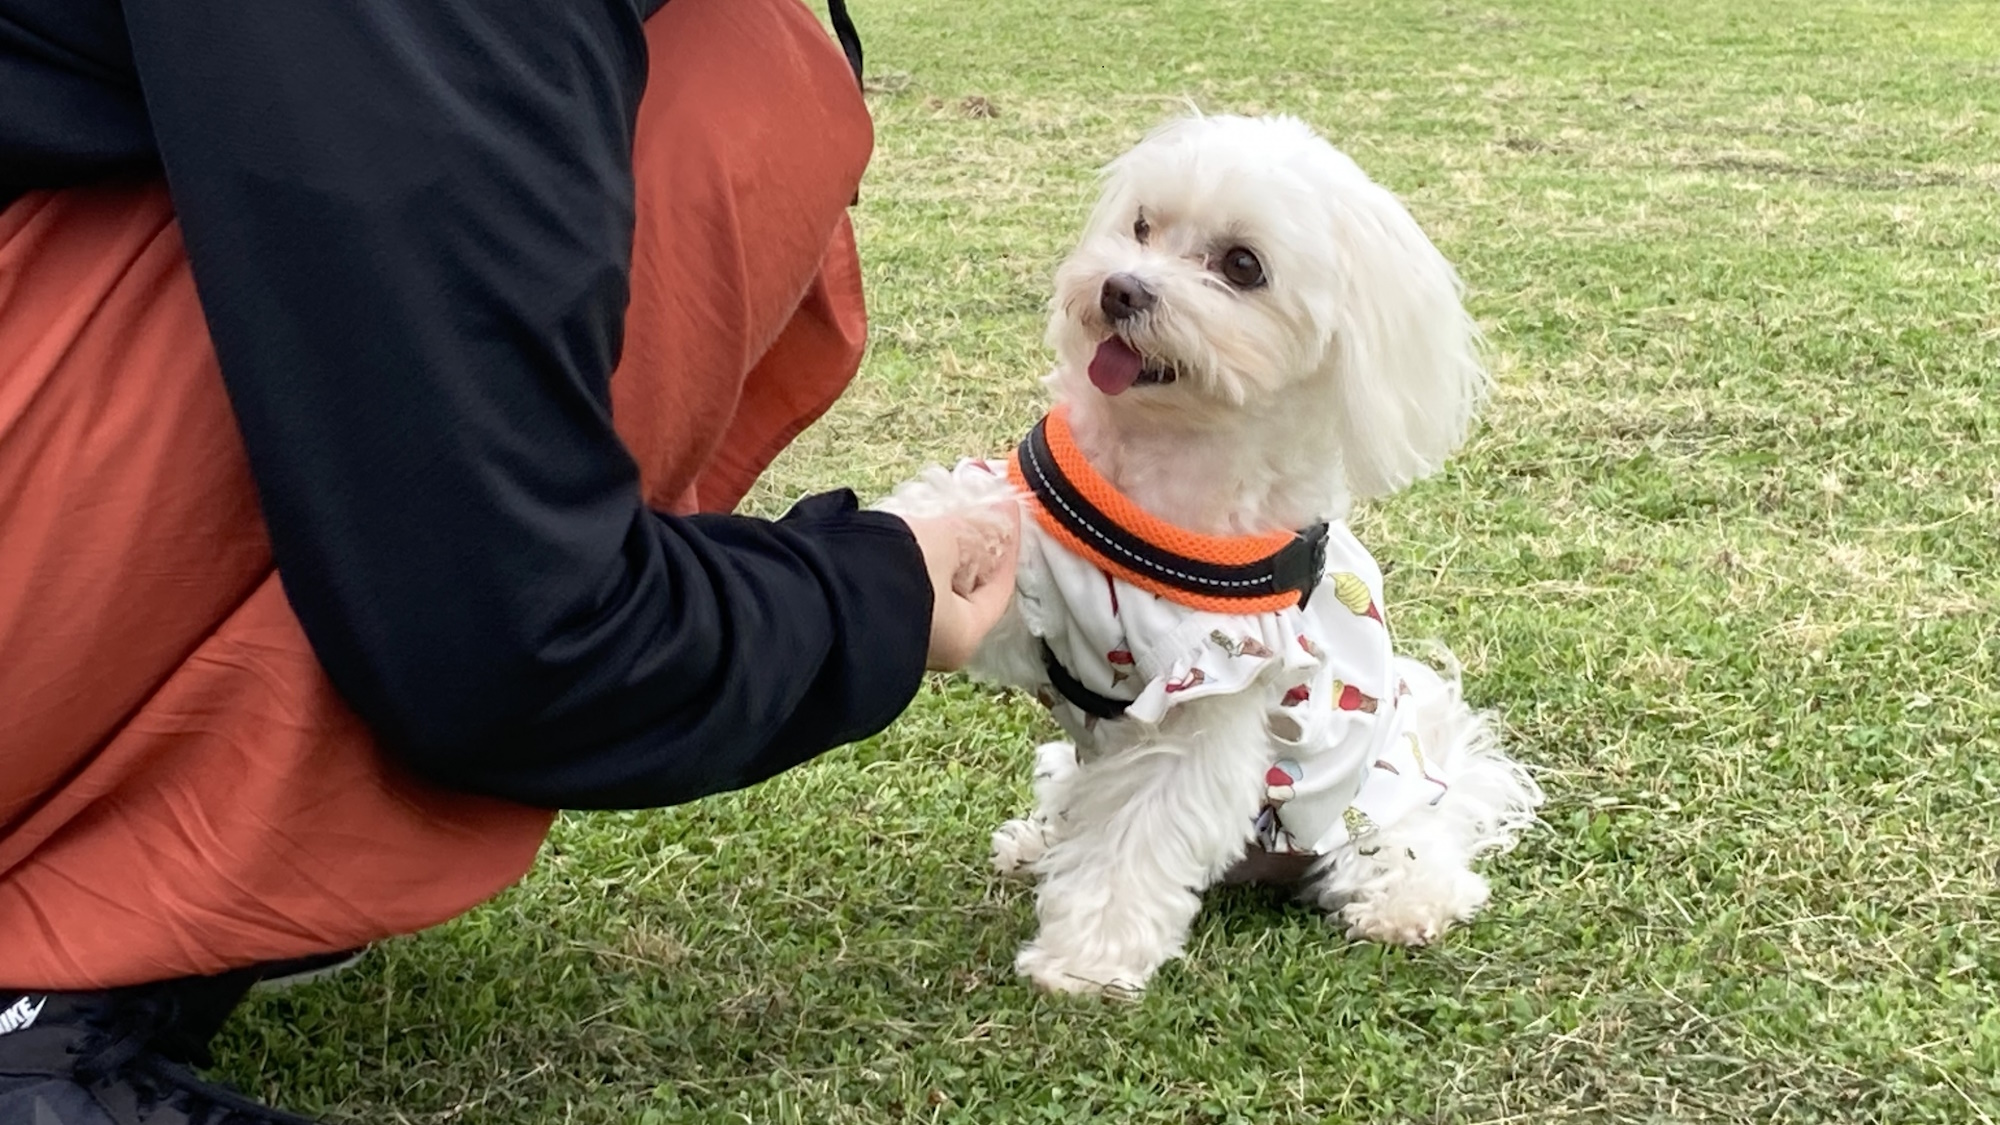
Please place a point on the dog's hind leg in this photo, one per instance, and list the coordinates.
(1407, 882)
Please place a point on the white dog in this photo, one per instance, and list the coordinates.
(1251, 336)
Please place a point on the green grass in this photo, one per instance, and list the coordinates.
(1723, 553)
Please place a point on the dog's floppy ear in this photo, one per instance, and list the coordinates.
(1407, 353)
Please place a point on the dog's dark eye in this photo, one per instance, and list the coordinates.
(1141, 228)
(1241, 268)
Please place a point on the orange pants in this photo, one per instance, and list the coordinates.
(181, 791)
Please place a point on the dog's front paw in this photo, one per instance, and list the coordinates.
(1017, 844)
(1051, 973)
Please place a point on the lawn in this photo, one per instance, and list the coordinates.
(1723, 553)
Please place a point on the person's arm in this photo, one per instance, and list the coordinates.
(409, 225)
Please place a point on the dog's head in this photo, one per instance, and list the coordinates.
(1243, 263)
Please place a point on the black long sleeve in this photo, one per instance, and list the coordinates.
(409, 226)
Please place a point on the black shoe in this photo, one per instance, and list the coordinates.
(278, 975)
(120, 1057)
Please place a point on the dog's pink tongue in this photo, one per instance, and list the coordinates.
(1115, 367)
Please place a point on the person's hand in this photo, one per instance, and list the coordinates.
(971, 562)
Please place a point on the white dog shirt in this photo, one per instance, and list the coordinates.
(1341, 760)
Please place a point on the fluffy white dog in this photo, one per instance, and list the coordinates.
(1250, 336)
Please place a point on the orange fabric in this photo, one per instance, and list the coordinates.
(183, 792)
(1221, 550)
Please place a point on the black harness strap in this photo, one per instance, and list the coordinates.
(850, 45)
(1073, 689)
(850, 39)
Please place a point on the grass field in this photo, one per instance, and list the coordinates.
(1723, 553)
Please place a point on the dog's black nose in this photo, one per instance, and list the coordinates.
(1124, 296)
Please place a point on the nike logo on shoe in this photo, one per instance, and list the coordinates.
(21, 1015)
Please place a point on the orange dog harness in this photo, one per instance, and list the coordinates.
(1217, 573)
